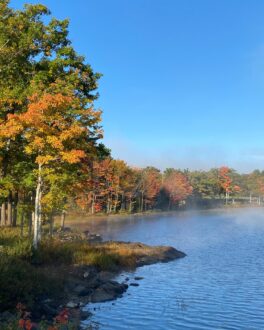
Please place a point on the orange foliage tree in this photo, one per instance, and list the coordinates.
(227, 183)
(57, 136)
(177, 186)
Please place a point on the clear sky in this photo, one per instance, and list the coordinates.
(183, 82)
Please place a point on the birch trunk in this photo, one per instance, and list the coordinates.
(37, 216)
(3, 214)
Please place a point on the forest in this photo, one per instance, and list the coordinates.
(52, 158)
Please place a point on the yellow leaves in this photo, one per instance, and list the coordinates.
(28, 149)
(72, 131)
(11, 127)
(55, 142)
(54, 126)
(38, 142)
(44, 159)
(73, 156)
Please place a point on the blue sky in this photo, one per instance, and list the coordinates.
(183, 82)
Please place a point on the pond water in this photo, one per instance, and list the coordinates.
(219, 285)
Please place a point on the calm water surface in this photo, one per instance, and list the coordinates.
(219, 285)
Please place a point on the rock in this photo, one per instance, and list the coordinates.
(138, 278)
(79, 288)
(100, 295)
(127, 279)
(85, 292)
(94, 238)
(109, 290)
(95, 283)
(72, 304)
(105, 276)
(114, 287)
(134, 284)
(90, 272)
(6, 316)
(48, 311)
(86, 274)
(84, 315)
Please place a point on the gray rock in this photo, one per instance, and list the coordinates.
(113, 287)
(6, 316)
(95, 283)
(79, 288)
(100, 295)
(72, 304)
(105, 276)
(85, 292)
(138, 278)
(86, 274)
(84, 315)
(134, 284)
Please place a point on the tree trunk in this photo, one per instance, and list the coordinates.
(93, 202)
(63, 216)
(9, 210)
(109, 206)
(37, 217)
(130, 205)
(14, 219)
(169, 205)
(3, 214)
(22, 224)
(51, 223)
(115, 203)
(142, 202)
(123, 202)
(31, 218)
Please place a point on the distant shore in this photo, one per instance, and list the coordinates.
(76, 218)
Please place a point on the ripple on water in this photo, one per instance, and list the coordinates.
(219, 285)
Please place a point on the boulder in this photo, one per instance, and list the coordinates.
(72, 304)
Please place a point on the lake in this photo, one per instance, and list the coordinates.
(219, 285)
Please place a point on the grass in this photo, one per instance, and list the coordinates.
(27, 275)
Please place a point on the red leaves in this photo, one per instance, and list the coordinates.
(25, 322)
(62, 317)
(177, 186)
(151, 184)
(225, 179)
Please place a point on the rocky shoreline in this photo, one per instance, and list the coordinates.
(89, 284)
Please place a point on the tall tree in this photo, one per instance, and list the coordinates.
(46, 99)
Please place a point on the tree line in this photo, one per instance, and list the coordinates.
(51, 157)
(113, 186)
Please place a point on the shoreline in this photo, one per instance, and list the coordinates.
(90, 285)
(88, 282)
(75, 219)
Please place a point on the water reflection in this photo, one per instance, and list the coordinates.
(219, 285)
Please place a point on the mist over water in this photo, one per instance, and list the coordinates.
(219, 285)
